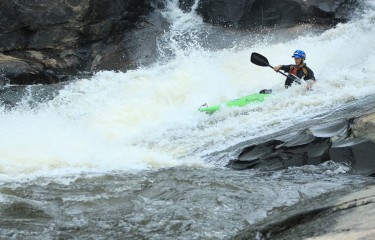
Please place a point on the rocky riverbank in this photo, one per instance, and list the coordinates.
(44, 42)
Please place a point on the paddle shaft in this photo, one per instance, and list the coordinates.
(296, 79)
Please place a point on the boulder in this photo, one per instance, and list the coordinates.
(364, 127)
(343, 214)
(55, 39)
(336, 141)
(19, 71)
(269, 13)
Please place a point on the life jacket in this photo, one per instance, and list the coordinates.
(294, 70)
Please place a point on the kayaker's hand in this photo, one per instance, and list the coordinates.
(309, 84)
(277, 68)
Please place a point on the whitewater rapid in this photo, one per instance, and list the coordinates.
(147, 118)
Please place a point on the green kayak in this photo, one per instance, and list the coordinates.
(239, 102)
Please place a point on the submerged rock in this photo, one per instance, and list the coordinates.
(329, 216)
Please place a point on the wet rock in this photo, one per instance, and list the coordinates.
(364, 127)
(254, 13)
(330, 141)
(186, 5)
(331, 129)
(274, 155)
(359, 156)
(345, 214)
(137, 48)
(53, 40)
(225, 12)
(20, 71)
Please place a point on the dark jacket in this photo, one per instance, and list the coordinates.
(303, 73)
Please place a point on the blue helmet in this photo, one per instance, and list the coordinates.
(299, 54)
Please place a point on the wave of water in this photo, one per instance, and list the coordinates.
(147, 118)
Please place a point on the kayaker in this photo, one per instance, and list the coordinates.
(299, 69)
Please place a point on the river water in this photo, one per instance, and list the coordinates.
(128, 156)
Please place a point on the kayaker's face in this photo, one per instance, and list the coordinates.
(298, 61)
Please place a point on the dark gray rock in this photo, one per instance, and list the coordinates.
(269, 13)
(137, 47)
(54, 39)
(333, 141)
(343, 214)
(17, 71)
(186, 5)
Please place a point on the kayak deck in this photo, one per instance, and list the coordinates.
(239, 102)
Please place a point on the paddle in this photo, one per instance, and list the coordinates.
(262, 61)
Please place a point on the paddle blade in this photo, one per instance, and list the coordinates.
(259, 60)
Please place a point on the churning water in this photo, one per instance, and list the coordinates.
(124, 155)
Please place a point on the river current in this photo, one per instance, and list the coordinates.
(128, 156)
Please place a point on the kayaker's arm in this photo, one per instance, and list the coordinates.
(277, 68)
(310, 74)
(285, 68)
(310, 79)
